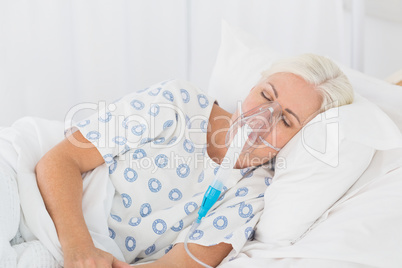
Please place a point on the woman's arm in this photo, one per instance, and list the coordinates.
(59, 178)
(178, 257)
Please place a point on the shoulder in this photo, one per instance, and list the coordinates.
(186, 93)
(176, 93)
(181, 86)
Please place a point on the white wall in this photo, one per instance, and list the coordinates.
(382, 43)
(382, 35)
(383, 47)
(288, 26)
(55, 54)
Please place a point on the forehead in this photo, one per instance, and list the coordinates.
(296, 94)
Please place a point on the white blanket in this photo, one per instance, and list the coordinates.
(363, 229)
(23, 144)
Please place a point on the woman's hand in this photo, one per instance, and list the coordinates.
(91, 257)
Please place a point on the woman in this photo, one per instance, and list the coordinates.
(175, 128)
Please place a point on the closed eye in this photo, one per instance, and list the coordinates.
(264, 96)
(285, 122)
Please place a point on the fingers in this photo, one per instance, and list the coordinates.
(91, 257)
(119, 264)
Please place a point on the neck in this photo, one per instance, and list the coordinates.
(220, 121)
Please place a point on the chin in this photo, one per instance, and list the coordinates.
(253, 160)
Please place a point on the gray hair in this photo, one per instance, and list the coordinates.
(321, 72)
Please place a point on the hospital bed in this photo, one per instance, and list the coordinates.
(327, 206)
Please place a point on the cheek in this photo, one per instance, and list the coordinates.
(284, 135)
(281, 135)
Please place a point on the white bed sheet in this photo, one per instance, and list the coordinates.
(23, 145)
(361, 230)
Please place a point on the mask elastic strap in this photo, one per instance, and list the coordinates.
(269, 145)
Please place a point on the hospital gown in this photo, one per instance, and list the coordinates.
(154, 143)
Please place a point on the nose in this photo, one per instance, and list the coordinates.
(263, 116)
(261, 120)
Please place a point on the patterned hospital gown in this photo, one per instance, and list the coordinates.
(154, 143)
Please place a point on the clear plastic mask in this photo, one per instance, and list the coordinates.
(260, 122)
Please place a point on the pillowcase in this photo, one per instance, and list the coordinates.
(317, 167)
(386, 96)
(321, 162)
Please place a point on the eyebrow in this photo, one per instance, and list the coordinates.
(274, 89)
(287, 109)
(292, 113)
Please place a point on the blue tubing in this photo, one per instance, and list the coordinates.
(210, 198)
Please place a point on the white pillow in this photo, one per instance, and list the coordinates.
(318, 166)
(387, 96)
(323, 160)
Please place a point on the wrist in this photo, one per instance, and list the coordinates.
(76, 240)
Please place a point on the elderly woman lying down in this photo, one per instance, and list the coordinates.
(163, 146)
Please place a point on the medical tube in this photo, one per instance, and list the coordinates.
(249, 129)
(214, 190)
(192, 229)
(224, 171)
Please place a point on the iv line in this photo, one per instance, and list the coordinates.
(231, 156)
(195, 225)
(214, 190)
